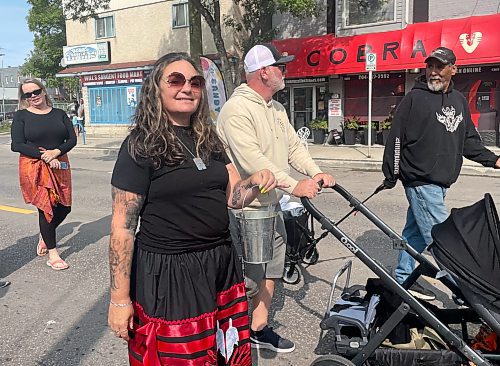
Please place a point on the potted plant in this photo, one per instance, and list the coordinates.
(319, 128)
(351, 125)
(373, 133)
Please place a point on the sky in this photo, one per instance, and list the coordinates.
(16, 41)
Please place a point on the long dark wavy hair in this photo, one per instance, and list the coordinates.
(152, 138)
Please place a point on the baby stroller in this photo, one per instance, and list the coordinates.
(301, 241)
(362, 323)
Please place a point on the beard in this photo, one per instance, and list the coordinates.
(436, 85)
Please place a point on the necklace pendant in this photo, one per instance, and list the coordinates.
(199, 164)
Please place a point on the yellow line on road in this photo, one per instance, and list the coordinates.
(16, 210)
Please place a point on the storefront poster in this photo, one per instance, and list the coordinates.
(216, 90)
(335, 107)
(131, 96)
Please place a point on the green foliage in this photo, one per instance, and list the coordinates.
(351, 123)
(318, 124)
(83, 10)
(386, 124)
(46, 22)
(374, 126)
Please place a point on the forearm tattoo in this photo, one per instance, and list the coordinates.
(126, 208)
(238, 192)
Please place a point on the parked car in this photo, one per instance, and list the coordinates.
(8, 115)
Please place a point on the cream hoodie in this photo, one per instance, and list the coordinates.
(259, 136)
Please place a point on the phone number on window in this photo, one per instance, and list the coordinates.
(375, 76)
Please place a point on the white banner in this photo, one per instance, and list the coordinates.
(215, 87)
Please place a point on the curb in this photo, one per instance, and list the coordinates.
(111, 151)
(363, 165)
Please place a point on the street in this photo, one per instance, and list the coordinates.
(60, 318)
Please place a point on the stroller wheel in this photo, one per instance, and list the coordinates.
(311, 256)
(332, 360)
(291, 274)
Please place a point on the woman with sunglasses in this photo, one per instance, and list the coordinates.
(177, 291)
(43, 136)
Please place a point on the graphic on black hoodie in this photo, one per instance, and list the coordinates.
(430, 134)
(448, 118)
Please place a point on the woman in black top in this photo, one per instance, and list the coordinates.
(43, 135)
(177, 291)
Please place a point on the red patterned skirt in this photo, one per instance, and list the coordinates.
(190, 309)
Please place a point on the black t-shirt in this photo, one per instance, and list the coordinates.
(51, 131)
(185, 208)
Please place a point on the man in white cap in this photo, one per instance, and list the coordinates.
(259, 135)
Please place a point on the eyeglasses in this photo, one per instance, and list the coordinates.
(30, 94)
(177, 80)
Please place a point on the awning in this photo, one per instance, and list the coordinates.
(103, 69)
(475, 41)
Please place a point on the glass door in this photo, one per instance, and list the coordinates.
(302, 106)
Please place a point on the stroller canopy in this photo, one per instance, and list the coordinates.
(468, 244)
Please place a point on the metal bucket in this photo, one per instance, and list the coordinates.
(256, 231)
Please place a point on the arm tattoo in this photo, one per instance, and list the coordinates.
(126, 210)
(237, 192)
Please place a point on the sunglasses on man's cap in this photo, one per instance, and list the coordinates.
(30, 94)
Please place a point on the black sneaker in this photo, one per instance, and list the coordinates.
(4, 284)
(267, 338)
(421, 292)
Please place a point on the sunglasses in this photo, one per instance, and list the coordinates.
(30, 94)
(177, 80)
(282, 67)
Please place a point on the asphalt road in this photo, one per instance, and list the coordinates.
(59, 318)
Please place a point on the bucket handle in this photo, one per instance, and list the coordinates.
(244, 199)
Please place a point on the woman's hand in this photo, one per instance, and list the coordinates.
(49, 155)
(55, 164)
(266, 181)
(121, 319)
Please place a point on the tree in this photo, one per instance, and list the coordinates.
(253, 25)
(46, 21)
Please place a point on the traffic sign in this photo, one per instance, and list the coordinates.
(371, 62)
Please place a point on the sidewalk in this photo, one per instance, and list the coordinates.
(331, 156)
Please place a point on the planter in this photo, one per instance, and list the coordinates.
(364, 140)
(319, 136)
(385, 135)
(350, 137)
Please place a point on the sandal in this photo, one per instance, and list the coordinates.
(58, 264)
(41, 248)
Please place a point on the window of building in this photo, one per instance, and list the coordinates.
(104, 27)
(359, 13)
(180, 15)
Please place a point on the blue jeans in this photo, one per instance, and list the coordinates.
(426, 210)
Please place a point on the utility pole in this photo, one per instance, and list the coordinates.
(3, 89)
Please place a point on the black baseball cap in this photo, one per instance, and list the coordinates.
(443, 55)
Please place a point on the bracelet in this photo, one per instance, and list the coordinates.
(120, 305)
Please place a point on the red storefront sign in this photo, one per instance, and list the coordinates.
(475, 41)
(112, 78)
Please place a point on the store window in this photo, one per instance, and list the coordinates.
(387, 91)
(180, 15)
(360, 13)
(104, 27)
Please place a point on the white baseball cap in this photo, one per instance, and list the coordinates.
(263, 55)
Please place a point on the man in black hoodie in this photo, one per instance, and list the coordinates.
(431, 132)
